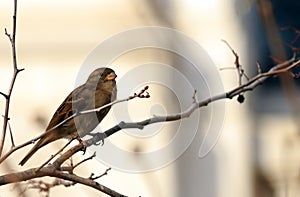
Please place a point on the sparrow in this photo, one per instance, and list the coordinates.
(99, 90)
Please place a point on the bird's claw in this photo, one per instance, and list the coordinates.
(100, 137)
(84, 147)
(83, 143)
(101, 142)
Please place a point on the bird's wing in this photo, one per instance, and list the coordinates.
(68, 107)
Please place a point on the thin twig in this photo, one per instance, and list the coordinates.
(52, 156)
(11, 135)
(258, 67)
(195, 96)
(238, 66)
(92, 177)
(227, 68)
(4, 95)
(84, 160)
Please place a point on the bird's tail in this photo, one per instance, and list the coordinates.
(46, 139)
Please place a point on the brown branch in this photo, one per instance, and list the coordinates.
(11, 135)
(71, 168)
(4, 95)
(12, 39)
(248, 86)
(52, 172)
(65, 156)
(238, 66)
(260, 78)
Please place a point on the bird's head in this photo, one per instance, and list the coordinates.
(105, 77)
(102, 75)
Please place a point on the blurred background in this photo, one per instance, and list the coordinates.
(257, 153)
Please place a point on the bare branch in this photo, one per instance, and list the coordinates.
(194, 96)
(249, 85)
(8, 35)
(4, 95)
(12, 39)
(258, 68)
(52, 172)
(227, 68)
(84, 160)
(238, 66)
(92, 177)
(11, 136)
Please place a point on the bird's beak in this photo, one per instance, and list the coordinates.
(111, 76)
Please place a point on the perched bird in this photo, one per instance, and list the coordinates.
(99, 89)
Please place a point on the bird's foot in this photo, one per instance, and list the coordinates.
(99, 138)
(84, 147)
(83, 143)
